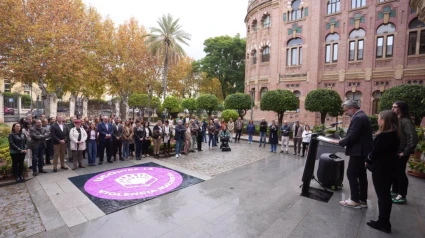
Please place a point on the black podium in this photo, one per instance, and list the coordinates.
(308, 175)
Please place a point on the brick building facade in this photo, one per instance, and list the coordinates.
(360, 48)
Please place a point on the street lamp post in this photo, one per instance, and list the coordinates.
(149, 105)
(252, 103)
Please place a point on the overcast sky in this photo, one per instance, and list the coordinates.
(203, 19)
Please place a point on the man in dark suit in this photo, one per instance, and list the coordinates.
(59, 133)
(105, 130)
(117, 142)
(358, 143)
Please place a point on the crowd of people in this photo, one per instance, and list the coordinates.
(39, 141)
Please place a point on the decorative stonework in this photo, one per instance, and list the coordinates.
(368, 73)
(294, 30)
(398, 73)
(386, 13)
(356, 20)
(341, 75)
(332, 24)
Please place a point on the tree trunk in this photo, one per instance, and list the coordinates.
(165, 71)
(322, 117)
(223, 89)
(280, 118)
(123, 108)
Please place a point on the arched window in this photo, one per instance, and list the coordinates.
(331, 48)
(356, 96)
(263, 91)
(265, 54)
(296, 12)
(333, 6)
(266, 21)
(254, 25)
(376, 100)
(356, 45)
(294, 52)
(358, 3)
(254, 57)
(416, 37)
(385, 40)
(298, 95)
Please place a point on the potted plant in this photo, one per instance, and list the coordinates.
(417, 168)
(420, 147)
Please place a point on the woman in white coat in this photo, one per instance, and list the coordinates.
(78, 138)
(306, 138)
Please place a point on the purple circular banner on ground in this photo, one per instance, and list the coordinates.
(133, 183)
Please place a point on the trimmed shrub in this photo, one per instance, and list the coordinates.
(229, 113)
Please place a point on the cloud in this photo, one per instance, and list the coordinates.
(202, 19)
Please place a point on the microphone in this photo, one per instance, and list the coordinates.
(336, 123)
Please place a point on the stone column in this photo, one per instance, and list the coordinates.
(117, 108)
(1, 108)
(71, 106)
(19, 105)
(85, 107)
(50, 105)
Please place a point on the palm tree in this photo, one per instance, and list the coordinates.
(165, 42)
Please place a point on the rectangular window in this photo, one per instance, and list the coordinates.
(390, 43)
(288, 57)
(358, 3)
(300, 57)
(254, 59)
(379, 47)
(360, 50)
(411, 48)
(352, 50)
(422, 43)
(7, 86)
(375, 106)
(333, 6)
(335, 53)
(294, 53)
(328, 54)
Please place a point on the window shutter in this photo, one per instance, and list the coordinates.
(306, 12)
(284, 16)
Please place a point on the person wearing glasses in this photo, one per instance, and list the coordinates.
(358, 144)
(409, 139)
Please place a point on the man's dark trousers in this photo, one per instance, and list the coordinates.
(102, 146)
(38, 158)
(357, 177)
(117, 147)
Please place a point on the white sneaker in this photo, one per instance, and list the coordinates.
(363, 204)
(177, 156)
(180, 155)
(350, 203)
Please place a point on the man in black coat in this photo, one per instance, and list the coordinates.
(106, 131)
(358, 143)
(59, 133)
(38, 146)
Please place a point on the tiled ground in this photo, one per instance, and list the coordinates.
(18, 215)
(259, 199)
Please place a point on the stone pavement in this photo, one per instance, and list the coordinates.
(213, 161)
(259, 199)
(18, 215)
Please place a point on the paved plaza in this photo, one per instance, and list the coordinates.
(254, 194)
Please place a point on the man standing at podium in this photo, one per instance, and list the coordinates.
(358, 144)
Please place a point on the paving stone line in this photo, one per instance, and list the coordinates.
(18, 214)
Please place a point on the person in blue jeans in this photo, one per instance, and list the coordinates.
(211, 133)
(179, 137)
(273, 137)
(92, 144)
(263, 131)
(204, 130)
(250, 129)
